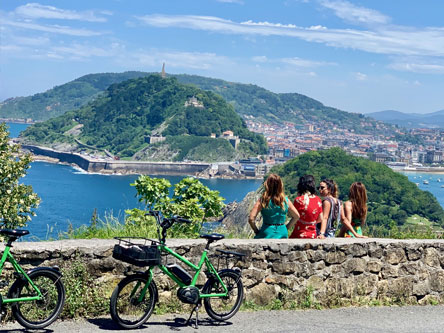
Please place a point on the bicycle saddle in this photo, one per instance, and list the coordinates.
(213, 237)
(14, 232)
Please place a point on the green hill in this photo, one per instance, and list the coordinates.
(63, 98)
(247, 100)
(127, 114)
(392, 197)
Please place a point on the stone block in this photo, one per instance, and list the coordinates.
(316, 282)
(374, 266)
(401, 287)
(437, 281)
(285, 267)
(315, 255)
(429, 299)
(395, 256)
(389, 271)
(365, 284)
(414, 252)
(262, 294)
(409, 268)
(337, 257)
(431, 257)
(357, 250)
(299, 256)
(375, 250)
(421, 288)
(354, 265)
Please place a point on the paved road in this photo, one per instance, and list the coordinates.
(414, 319)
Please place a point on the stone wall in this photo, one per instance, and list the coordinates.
(331, 272)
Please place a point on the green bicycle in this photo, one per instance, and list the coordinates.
(134, 298)
(36, 296)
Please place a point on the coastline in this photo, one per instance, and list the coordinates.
(18, 121)
(438, 170)
(123, 170)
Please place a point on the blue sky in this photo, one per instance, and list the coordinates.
(358, 56)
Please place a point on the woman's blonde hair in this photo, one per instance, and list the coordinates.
(358, 198)
(274, 191)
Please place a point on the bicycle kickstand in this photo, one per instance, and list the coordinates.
(195, 309)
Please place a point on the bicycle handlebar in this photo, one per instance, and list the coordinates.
(165, 223)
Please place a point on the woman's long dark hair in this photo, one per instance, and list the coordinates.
(274, 191)
(332, 187)
(306, 184)
(358, 198)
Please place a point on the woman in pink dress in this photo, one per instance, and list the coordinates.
(309, 206)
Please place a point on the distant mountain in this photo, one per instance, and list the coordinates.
(411, 120)
(247, 100)
(129, 116)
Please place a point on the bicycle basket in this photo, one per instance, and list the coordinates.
(137, 254)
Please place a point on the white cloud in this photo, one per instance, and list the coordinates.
(386, 40)
(37, 11)
(426, 68)
(298, 62)
(355, 14)
(58, 29)
(262, 59)
(360, 76)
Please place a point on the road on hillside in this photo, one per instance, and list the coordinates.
(414, 319)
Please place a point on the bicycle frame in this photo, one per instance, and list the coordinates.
(203, 260)
(7, 256)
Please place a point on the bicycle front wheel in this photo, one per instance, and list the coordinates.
(40, 313)
(223, 308)
(128, 309)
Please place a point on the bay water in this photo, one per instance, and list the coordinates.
(69, 196)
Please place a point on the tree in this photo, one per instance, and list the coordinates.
(17, 201)
(190, 199)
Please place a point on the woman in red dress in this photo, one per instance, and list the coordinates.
(309, 206)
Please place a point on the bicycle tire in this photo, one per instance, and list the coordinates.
(39, 313)
(223, 308)
(125, 309)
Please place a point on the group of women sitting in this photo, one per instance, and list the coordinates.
(311, 217)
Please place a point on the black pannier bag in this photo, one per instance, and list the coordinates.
(138, 255)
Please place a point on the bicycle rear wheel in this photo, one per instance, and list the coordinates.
(126, 307)
(39, 313)
(223, 308)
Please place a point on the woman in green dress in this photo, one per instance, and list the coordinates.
(274, 206)
(355, 211)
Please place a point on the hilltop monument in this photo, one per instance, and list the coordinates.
(163, 74)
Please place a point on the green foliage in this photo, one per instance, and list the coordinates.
(85, 298)
(191, 199)
(391, 196)
(121, 119)
(197, 148)
(18, 201)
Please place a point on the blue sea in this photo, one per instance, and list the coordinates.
(69, 196)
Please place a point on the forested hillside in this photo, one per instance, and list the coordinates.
(123, 119)
(251, 100)
(62, 98)
(247, 100)
(392, 198)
